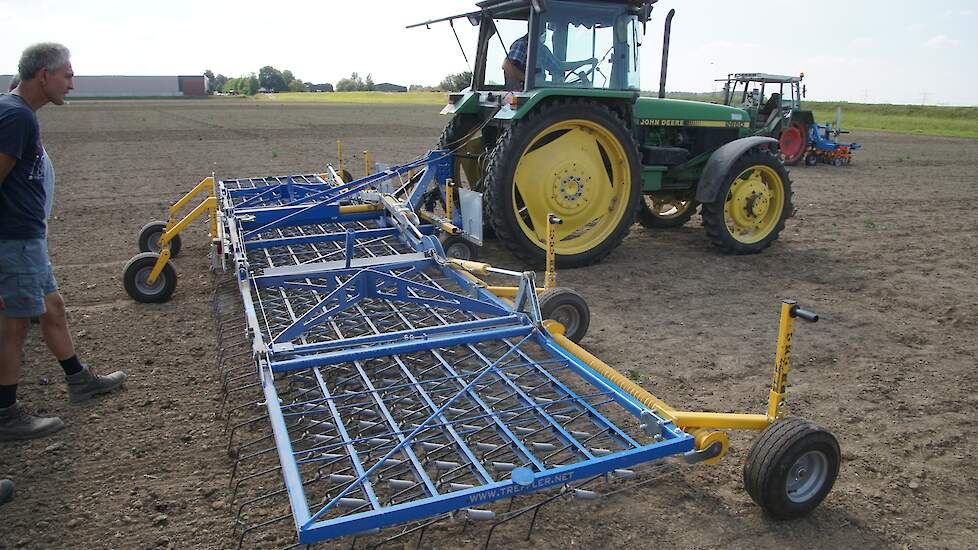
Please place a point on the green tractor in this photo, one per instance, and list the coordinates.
(554, 125)
(779, 114)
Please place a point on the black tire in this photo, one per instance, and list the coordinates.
(714, 216)
(568, 308)
(650, 216)
(811, 159)
(456, 136)
(134, 276)
(149, 239)
(791, 467)
(459, 247)
(504, 208)
(346, 175)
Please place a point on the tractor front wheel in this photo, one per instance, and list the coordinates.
(574, 159)
(751, 206)
(665, 212)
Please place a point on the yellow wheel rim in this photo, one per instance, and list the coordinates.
(754, 204)
(579, 171)
(668, 208)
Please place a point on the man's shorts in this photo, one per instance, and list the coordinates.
(26, 277)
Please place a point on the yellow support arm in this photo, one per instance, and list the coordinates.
(209, 204)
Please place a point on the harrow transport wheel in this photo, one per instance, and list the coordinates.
(136, 273)
(459, 247)
(665, 212)
(574, 159)
(346, 175)
(791, 467)
(751, 206)
(811, 159)
(568, 308)
(149, 239)
(794, 143)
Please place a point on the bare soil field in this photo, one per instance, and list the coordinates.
(885, 250)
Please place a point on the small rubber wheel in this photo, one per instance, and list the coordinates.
(568, 308)
(459, 247)
(346, 175)
(136, 273)
(811, 159)
(149, 239)
(837, 161)
(791, 467)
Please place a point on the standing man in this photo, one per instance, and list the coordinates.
(27, 285)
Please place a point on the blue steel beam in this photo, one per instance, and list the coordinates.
(407, 512)
(368, 352)
(369, 283)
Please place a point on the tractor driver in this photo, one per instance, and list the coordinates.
(514, 66)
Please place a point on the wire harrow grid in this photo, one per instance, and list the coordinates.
(397, 388)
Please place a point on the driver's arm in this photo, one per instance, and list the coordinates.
(513, 71)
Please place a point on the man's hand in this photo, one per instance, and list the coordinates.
(7, 163)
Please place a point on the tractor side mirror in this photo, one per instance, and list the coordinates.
(645, 13)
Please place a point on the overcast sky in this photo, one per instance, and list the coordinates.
(875, 51)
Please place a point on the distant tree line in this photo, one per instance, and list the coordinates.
(273, 80)
(355, 84)
(268, 79)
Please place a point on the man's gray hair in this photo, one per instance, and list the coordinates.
(46, 55)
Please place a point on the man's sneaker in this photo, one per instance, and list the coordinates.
(15, 423)
(6, 491)
(85, 384)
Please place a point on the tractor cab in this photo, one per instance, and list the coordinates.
(575, 45)
(765, 96)
(773, 103)
(591, 44)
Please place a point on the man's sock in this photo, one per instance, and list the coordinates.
(8, 395)
(71, 365)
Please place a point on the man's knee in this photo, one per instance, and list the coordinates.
(54, 304)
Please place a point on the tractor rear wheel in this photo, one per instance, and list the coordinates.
(665, 212)
(468, 148)
(794, 143)
(751, 206)
(574, 159)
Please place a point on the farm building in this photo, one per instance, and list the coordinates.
(388, 87)
(134, 86)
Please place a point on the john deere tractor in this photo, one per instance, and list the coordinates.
(552, 127)
(774, 104)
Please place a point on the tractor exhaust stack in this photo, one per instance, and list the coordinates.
(665, 54)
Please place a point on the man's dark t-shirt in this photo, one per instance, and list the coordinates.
(22, 192)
